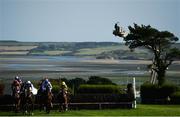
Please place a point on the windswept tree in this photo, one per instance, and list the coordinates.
(160, 43)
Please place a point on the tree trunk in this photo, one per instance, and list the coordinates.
(161, 76)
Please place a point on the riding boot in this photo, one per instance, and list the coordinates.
(44, 108)
(66, 107)
(51, 105)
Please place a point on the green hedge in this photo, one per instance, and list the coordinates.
(55, 89)
(99, 80)
(6, 99)
(94, 89)
(153, 93)
(175, 98)
(2, 86)
(79, 98)
(168, 89)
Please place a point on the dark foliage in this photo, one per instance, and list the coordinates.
(75, 83)
(101, 98)
(2, 86)
(6, 99)
(158, 42)
(175, 98)
(97, 89)
(153, 93)
(98, 80)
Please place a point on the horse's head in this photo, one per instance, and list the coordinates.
(28, 92)
(16, 89)
(16, 93)
(47, 88)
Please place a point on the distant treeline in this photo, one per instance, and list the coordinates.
(17, 43)
(71, 46)
(99, 50)
(58, 44)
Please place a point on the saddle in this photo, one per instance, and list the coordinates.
(28, 92)
(16, 91)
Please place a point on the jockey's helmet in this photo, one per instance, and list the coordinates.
(28, 82)
(16, 77)
(46, 81)
(16, 83)
(63, 83)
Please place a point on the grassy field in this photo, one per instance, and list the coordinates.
(14, 53)
(95, 51)
(24, 49)
(99, 50)
(50, 53)
(55, 52)
(15, 50)
(141, 110)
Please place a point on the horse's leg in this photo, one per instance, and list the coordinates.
(47, 107)
(41, 103)
(60, 107)
(30, 108)
(61, 104)
(29, 105)
(32, 104)
(65, 103)
(49, 104)
(17, 104)
(22, 104)
(40, 106)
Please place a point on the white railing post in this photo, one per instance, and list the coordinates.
(134, 90)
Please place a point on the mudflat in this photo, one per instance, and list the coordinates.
(36, 67)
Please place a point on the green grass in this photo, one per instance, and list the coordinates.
(99, 50)
(16, 48)
(141, 110)
(57, 52)
(14, 53)
(50, 53)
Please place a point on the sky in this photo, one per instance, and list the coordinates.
(83, 20)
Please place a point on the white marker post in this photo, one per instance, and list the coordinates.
(134, 89)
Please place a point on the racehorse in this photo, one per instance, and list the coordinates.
(48, 99)
(40, 99)
(45, 99)
(17, 98)
(63, 100)
(28, 102)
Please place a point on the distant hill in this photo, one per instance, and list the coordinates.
(16, 43)
(99, 50)
(8, 41)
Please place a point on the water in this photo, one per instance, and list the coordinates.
(38, 62)
(62, 63)
(36, 67)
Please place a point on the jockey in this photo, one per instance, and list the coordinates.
(64, 86)
(28, 88)
(29, 85)
(46, 83)
(64, 91)
(18, 79)
(16, 85)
